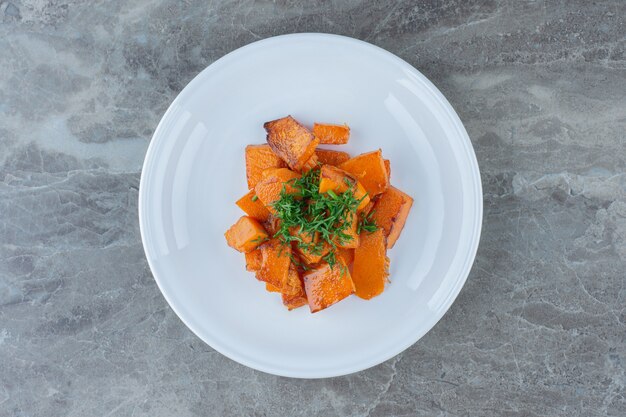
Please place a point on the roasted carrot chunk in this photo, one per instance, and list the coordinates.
(294, 295)
(352, 236)
(371, 265)
(253, 206)
(254, 260)
(306, 247)
(293, 285)
(275, 261)
(334, 158)
(245, 235)
(388, 168)
(271, 225)
(369, 169)
(390, 213)
(291, 141)
(331, 134)
(324, 286)
(258, 159)
(270, 288)
(313, 257)
(346, 254)
(338, 180)
(269, 187)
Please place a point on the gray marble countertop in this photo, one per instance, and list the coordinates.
(538, 330)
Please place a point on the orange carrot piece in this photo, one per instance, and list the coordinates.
(333, 178)
(254, 260)
(274, 264)
(390, 213)
(331, 134)
(270, 288)
(388, 168)
(295, 297)
(245, 235)
(291, 141)
(269, 187)
(329, 157)
(370, 269)
(346, 254)
(253, 207)
(258, 159)
(369, 170)
(324, 286)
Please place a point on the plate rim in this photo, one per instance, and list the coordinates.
(467, 263)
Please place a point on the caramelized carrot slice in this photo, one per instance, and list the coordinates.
(388, 168)
(334, 158)
(269, 187)
(258, 159)
(338, 180)
(371, 265)
(253, 260)
(346, 254)
(274, 263)
(293, 285)
(390, 213)
(270, 288)
(296, 297)
(369, 169)
(331, 134)
(324, 286)
(253, 206)
(245, 235)
(291, 141)
(351, 232)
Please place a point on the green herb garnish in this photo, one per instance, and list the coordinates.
(317, 221)
(367, 223)
(255, 197)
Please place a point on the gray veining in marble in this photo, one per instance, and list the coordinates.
(538, 330)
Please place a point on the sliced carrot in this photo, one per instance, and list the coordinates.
(274, 264)
(258, 159)
(388, 168)
(294, 296)
(291, 141)
(270, 288)
(331, 134)
(338, 180)
(329, 157)
(245, 235)
(369, 169)
(370, 269)
(390, 213)
(254, 260)
(346, 254)
(274, 180)
(253, 206)
(352, 240)
(324, 286)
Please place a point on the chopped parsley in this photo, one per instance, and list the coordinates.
(317, 222)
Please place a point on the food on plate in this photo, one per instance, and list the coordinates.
(253, 207)
(390, 212)
(331, 134)
(324, 286)
(258, 159)
(330, 157)
(291, 141)
(369, 169)
(318, 222)
(246, 234)
(371, 265)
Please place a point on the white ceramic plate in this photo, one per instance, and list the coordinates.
(194, 172)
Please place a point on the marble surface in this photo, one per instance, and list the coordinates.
(538, 330)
